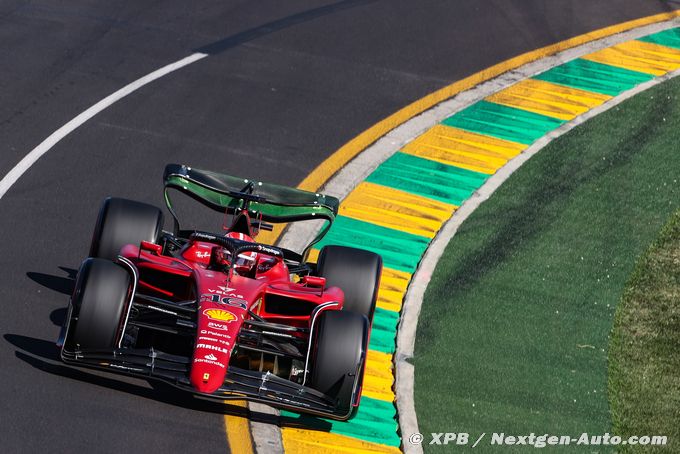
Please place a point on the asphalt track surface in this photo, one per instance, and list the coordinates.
(285, 85)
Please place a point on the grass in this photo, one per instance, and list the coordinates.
(514, 332)
(644, 378)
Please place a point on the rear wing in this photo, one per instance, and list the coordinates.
(270, 202)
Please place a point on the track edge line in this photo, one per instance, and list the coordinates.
(405, 379)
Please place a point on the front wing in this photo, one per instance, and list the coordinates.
(238, 384)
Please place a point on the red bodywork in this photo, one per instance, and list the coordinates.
(225, 301)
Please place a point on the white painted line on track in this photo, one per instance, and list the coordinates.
(46, 145)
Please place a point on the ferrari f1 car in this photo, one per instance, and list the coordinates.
(219, 314)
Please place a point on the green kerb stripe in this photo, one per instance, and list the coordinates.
(596, 77)
(504, 122)
(427, 178)
(384, 330)
(399, 250)
(668, 38)
(374, 422)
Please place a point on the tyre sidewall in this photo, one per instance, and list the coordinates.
(340, 348)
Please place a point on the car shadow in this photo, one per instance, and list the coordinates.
(59, 284)
(307, 422)
(280, 24)
(44, 356)
(58, 316)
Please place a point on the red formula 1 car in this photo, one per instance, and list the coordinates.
(220, 315)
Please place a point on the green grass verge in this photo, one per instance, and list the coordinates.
(513, 335)
(644, 365)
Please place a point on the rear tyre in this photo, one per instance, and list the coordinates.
(340, 344)
(356, 272)
(121, 222)
(99, 300)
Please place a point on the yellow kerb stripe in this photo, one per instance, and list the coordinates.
(301, 441)
(378, 377)
(549, 99)
(396, 209)
(393, 285)
(313, 256)
(456, 147)
(237, 429)
(639, 56)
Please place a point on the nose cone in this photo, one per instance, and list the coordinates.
(219, 321)
(208, 371)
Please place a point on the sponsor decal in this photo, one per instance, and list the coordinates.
(222, 290)
(219, 326)
(204, 236)
(213, 333)
(223, 342)
(211, 357)
(208, 361)
(217, 339)
(268, 250)
(220, 315)
(203, 255)
(212, 347)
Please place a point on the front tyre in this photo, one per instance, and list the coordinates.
(121, 222)
(356, 272)
(337, 360)
(99, 299)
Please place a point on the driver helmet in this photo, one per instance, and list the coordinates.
(245, 260)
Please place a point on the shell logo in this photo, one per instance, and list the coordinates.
(219, 315)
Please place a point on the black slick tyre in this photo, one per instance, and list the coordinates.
(99, 299)
(121, 222)
(356, 272)
(337, 357)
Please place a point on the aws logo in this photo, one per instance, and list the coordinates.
(219, 315)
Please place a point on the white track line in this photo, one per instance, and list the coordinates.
(54, 138)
